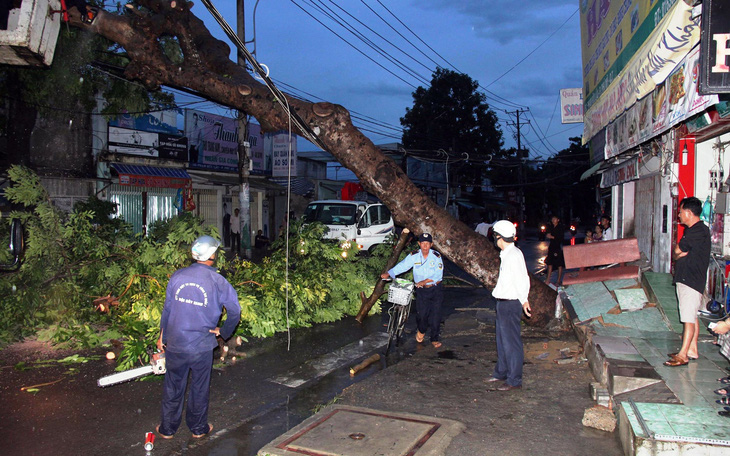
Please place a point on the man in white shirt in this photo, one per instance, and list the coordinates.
(511, 291)
(483, 227)
(607, 231)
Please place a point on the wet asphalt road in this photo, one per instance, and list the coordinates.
(74, 416)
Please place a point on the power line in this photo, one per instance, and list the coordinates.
(534, 50)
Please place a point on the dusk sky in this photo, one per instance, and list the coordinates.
(521, 53)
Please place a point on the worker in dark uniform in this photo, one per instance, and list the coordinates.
(511, 291)
(195, 299)
(428, 271)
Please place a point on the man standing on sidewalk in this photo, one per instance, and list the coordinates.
(428, 271)
(195, 299)
(692, 256)
(511, 291)
(236, 232)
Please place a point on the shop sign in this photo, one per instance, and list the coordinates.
(152, 181)
(283, 147)
(147, 144)
(625, 172)
(652, 64)
(612, 31)
(715, 47)
(671, 102)
(213, 141)
(571, 105)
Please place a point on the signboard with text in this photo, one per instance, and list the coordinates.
(571, 105)
(213, 141)
(715, 47)
(282, 147)
(147, 144)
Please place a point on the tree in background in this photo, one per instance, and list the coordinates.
(556, 188)
(452, 115)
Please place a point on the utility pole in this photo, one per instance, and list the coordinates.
(244, 148)
(521, 157)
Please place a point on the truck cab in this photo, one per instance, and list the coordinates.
(367, 224)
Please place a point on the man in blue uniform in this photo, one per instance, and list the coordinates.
(428, 271)
(195, 299)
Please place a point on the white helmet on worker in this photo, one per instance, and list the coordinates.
(204, 247)
(505, 229)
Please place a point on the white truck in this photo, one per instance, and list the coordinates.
(367, 224)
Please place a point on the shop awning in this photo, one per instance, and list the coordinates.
(151, 176)
(591, 171)
(299, 185)
(259, 183)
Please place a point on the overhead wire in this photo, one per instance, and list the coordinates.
(369, 43)
(534, 50)
(350, 44)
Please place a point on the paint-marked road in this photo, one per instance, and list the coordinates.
(323, 365)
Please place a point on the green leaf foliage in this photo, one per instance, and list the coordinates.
(72, 260)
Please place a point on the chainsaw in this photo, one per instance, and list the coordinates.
(156, 366)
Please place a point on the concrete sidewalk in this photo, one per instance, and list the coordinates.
(627, 330)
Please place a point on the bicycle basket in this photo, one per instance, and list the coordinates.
(400, 292)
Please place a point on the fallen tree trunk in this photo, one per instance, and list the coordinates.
(368, 303)
(207, 69)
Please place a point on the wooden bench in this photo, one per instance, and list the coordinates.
(582, 256)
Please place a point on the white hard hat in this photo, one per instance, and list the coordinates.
(505, 228)
(204, 247)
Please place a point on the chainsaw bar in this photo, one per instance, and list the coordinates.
(125, 376)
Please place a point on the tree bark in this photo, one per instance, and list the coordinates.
(368, 303)
(207, 69)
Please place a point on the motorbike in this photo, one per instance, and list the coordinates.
(542, 232)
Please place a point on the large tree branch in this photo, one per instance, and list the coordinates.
(208, 69)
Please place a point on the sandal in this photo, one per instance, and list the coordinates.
(723, 391)
(419, 336)
(436, 344)
(724, 413)
(691, 358)
(200, 436)
(724, 380)
(163, 436)
(725, 400)
(674, 362)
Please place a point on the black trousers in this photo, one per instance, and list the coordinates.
(428, 310)
(235, 242)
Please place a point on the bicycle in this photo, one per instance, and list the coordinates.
(400, 295)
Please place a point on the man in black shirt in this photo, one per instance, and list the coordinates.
(554, 258)
(692, 256)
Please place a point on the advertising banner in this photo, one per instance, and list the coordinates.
(147, 144)
(671, 102)
(652, 64)
(213, 141)
(571, 105)
(715, 47)
(164, 121)
(612, 31)
(280, 144)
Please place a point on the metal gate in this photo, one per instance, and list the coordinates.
(644, 213)
(131, 205)
(206, 206)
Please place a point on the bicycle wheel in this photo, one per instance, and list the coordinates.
(392, 326)
(400, 315)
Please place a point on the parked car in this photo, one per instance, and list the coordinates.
(366, 224)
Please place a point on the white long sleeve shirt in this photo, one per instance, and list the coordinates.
(513, 281)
